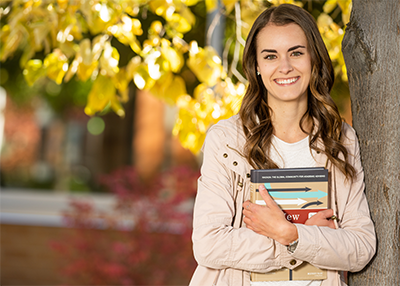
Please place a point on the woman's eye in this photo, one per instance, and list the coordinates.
(297, 54)
(270, 57)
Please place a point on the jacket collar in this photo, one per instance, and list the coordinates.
(235, 148)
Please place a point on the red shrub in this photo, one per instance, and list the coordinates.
(145, 240)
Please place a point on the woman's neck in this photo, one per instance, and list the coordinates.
(286, 122)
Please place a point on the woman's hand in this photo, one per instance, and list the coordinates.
(322, 218)
(269, 220)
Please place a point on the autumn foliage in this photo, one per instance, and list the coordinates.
(86, 39)
(144, 240)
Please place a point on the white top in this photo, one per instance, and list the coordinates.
(291, 155)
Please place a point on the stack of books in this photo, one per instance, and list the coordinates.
(300, 193)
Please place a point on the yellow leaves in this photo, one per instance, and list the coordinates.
(279, 2)
(248, 14)
(231, 96)
(62, 4)
(205, 64)
(190, 126)
(176, 13)
(109, 60)
(324, 22)
(345, 7)
(56, 65)
(162, 7)
(176, 89)
(207, 107)
(155, 29)
(103, 94)
(174, 58)
(329, 6)
(86, 63)
(142, 79)
(100, 17)
(136, 25)
(229, 4)
(182, 22)
(211, 5)
(190, 2)
(84, 38)
(126, 32)
(31, 3)
(156, 64)
(187, 131)
(169, 88)
(10, 40)
(33, 71)
(121, 81)
(333, 34)
(156, 72)
(89, 59)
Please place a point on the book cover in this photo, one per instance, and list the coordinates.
(300, 193)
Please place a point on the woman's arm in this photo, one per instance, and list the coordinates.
(216, 243)
(270, 221)
(353, 244)
(348, 248)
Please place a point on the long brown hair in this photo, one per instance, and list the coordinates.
(255, 113)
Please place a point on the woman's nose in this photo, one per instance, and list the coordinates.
(285, 65)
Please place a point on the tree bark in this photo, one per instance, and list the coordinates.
(371, 49)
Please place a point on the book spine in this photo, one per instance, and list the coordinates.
(253, 190)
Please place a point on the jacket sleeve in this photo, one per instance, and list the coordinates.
(350, 247)
(216, 243)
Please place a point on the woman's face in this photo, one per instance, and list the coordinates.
(284, 62)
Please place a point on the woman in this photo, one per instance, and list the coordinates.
(287, 119)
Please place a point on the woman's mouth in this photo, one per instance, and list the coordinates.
(286, 81)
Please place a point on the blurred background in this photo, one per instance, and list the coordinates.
(104, 106)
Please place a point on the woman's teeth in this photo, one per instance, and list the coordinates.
(286, 81)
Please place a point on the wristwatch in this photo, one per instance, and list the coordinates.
(292, 246)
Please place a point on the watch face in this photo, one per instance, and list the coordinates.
(292, 247)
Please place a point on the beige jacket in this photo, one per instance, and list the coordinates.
(226, 251)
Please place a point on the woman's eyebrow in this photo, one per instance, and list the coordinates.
(289, 50)
(296, 47)
(268, 51)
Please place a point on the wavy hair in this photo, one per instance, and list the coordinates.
(255, 113)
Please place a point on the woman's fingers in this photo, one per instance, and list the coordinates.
(322, 218)
(269, 201)
(327, 214)
(247, 206)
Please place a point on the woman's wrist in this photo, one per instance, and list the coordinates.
(291, 234)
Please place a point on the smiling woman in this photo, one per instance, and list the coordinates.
(287, 120)
(284, 64)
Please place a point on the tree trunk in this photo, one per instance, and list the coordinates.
(371, 49)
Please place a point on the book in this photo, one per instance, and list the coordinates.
(300, 193)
